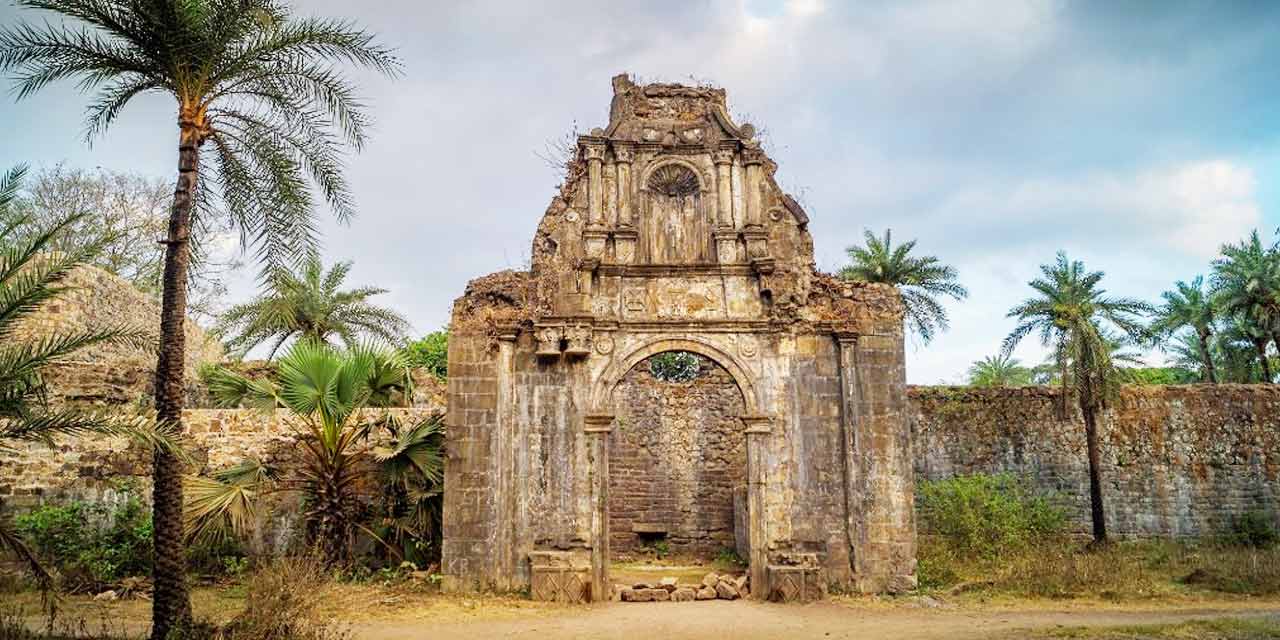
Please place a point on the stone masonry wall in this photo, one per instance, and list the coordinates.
(1177, 460)
(677, 455)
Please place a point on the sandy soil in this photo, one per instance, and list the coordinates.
(759, 621)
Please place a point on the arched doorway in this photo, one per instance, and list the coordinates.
(677, 460)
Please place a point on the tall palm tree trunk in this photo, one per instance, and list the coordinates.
(1210, 373)
(1097, 512)
(172, 604)
(1261, 346)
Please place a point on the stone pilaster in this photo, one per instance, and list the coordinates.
(595, 183)
(757, 430)
(724, 188)
(752, 159)
(504, 459)
(597, 426)
(624, 155)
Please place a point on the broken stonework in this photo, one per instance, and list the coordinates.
(670, 234)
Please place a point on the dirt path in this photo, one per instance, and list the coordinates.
(760, 621)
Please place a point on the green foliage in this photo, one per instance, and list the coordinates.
(430, 352)
(920, 279)
(1256, 529)
(1161, 375)
(1000, 370)
(91, 545)
(987, 515)
(675, 366)
(309, 303)
(728, 556)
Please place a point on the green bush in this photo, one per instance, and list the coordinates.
(1255, 529)
(675, 366)
(986, 515)
(431, 352)
(91, 545)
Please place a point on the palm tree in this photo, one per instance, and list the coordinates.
(920, 279)
(30, 278)
(1000, 370)
(262, 113)
(1188, 306)
(327, 392)
(1246, 283)
(309, 303)
(1077, 320)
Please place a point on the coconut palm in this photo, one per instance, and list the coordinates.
(1081, 325)
(1188, 306)
(310, 303)
(328, 394)
(1246, 284)
(1000, 370)
(30, 278)
(263, 114)
(920, 279)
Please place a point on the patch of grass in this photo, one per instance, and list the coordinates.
(1218, 629)
(1063, 568)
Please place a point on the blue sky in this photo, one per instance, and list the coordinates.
(1137, 139)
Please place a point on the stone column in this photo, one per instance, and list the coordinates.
(846, 342)
(725, 235)
(595, 184)
(751, 160)
(597, 427)
(504, 544)
(758, 429)
(624, 155)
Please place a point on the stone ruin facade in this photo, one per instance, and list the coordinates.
(791, 443)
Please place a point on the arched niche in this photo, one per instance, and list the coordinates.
(675, 221)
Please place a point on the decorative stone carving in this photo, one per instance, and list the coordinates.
(633, 300)
(579, 341)
(723, 156)
(726, 247)
(594, 241)
(747, 346)
(603, 342)
(548, 342)
(624, 246)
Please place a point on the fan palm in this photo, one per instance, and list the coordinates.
(327, 393)
(1000, 370)
(310, 303)
(1246, 284)
(262, 113)
(1076, 319)
(920, 280)
(30, 277)
(1189, 306)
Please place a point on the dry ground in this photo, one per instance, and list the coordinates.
(398, 613)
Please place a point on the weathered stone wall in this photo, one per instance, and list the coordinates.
(677, 455)
(109, 373)
(1177, 460)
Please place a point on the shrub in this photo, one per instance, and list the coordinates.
(431, 352)
(281, 604)
(675, 366)
(1253, 528)
(91, 545)
(986, 515)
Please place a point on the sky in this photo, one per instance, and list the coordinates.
(1137, 137)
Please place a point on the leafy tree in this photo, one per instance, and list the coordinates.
(1161, 375)
(920, 279)
(1075, 318)
(327, 393)
(309, 303)
(30, 277)
(1246, 283)
(1189, 306)
(1000, 370)
(262, 113)
(122, 215)
(431, 352)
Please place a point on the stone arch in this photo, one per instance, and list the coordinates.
(602, 389)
